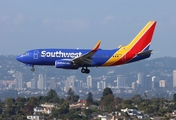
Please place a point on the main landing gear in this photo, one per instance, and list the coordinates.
(85, 70)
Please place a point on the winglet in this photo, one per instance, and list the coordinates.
(96, 46)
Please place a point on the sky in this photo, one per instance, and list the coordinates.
(31, 24)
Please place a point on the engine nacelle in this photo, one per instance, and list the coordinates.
(63, 64)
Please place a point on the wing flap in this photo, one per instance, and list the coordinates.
(86, 59)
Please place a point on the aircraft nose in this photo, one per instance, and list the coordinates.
(19, 58)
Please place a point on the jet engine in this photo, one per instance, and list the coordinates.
(63, 64)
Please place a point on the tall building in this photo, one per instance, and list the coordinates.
(33, 83)
(147, 82)
(28, 84)
(41, 84)
(69, 83)
(134, 85)
(101, 85)
(174, 78)
(53, 83)
(162, 83)
(120, 81)
(19, 79)
(155, 82)
(89, 81)
(140, 79)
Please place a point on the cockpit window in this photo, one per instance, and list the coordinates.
(26, 54)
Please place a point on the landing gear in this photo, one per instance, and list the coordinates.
(85, 70)
(32, 69)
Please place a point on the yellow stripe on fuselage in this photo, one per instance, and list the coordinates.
(123, 50)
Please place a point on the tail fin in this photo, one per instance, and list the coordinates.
(142, 41)
(138, 46)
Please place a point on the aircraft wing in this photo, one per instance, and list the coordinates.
(87, 57)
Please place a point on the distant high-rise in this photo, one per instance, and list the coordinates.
(174, 78)
(53, 83)
(69, 83)
(28, 84)
(33, 83)
(101, 85)
(147, 82)
(89, 81)
(140, 79)
(162, 83)
(134, 85)
(120, 81)
(19, 79)
(155, 82)
(41, 82)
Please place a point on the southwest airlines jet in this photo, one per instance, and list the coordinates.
(137, 49)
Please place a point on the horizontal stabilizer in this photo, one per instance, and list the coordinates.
(148, 52)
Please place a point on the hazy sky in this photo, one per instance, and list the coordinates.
(30, 24)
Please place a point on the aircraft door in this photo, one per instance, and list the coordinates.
(121, 56)
(36, 54)
(124, 58)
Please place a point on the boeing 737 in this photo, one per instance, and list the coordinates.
(137, 49)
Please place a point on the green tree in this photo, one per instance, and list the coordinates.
(89, 99)
(28, 109)
(20, 102)
(107, 103)
(127, 104)
(33, 102)
(137, 99)
(10, 101)
(174, 99)
(9, 110)
(75, 98)
(64, 109)
(52, 94)
(88, 113)
(118, 103)
(1, 106)
(71, 97)
(70, 94)
(107, 91)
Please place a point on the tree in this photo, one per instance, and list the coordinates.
(72, 98)
(75, 98)
(137, 99)
(9, 101)
(64, 109)
(20, 102)
(33, 102)
(88, 113)
(51, 97)
(118, 103)
(107, 91)
(89, 99)
(9, 110)
(70, 94)
(174, 99)
(28, 109)
(107, 103)
(52, 94)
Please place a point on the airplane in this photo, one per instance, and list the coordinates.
(137, 49)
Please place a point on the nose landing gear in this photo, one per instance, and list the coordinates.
(32, 69)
